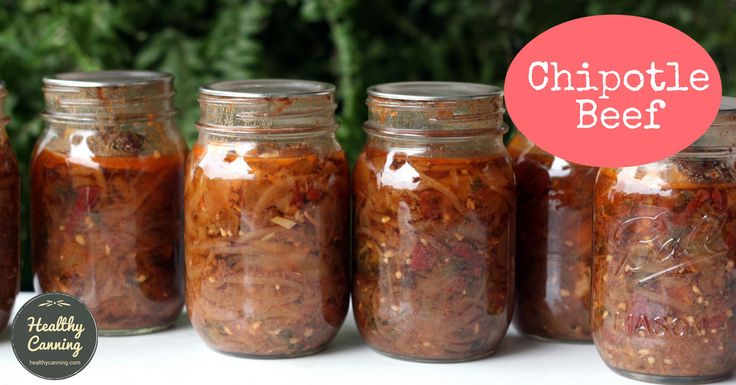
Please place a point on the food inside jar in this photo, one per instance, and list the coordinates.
(9, 227)
(434, 254)
(107, 230)
(664, 279)
(267, 259)
(554, 243)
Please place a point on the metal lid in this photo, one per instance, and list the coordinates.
(107, 78)
(267, 88)
(267, 106)
(728, 103)
(3, 118)
(437, 109)
(91, 97)
(720, 134)
(726, 112)
(434, 91)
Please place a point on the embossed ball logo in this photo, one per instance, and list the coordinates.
(54, 336)
(613, 90)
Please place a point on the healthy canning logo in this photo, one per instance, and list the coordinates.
(54, 336)
(613, 90)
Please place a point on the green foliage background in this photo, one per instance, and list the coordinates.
(348, 42)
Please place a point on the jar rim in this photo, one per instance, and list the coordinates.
(117, 95)
(267, 88)
(726, 115)
(434, 108)
(728, 103)
(107, 78)
(434, 91)
(4, 119)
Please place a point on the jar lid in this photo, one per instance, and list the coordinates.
(728, 103)
(435, 109)
(3, 93)
(720, 132)
(267, 106)
(109, 95)
(726, 112)
(434, 91)
(107, 78)
(267, 88)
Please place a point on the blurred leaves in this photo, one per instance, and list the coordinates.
(352, 43)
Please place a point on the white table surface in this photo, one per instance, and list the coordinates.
(178, 356)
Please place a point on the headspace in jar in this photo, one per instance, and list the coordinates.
(106, 198)
(267, 208)
(434, 222)
(9, 220)
(554, 243)
(664, 284)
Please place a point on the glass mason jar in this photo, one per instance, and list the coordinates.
(434, 222)
(664, 284)
(554, 245)
(106, 198)
(9, 220)
(267, 213)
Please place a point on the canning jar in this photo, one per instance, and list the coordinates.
(554, 244)
(664, 284)
(267, 211)
(106, 198)
(9, 220)
(434, 222)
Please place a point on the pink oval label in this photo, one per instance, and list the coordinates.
(613, 90)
